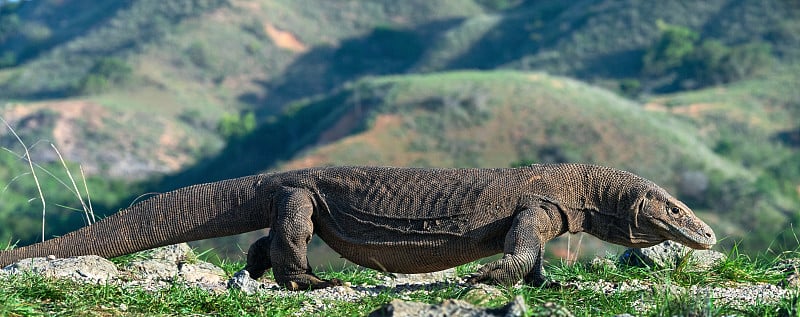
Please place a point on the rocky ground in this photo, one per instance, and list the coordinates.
(162, 267)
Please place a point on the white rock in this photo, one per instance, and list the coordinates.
(90, 268)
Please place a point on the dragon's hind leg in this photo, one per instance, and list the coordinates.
(258, 259)
(285, 248)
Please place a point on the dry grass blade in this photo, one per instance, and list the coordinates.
(33, 172)
(88, 196)
(5, 189)
(86, 209)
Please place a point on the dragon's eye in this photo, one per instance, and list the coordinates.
(675, 210)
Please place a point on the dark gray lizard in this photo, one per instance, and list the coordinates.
(404, 220)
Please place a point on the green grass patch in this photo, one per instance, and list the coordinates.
(27, 294)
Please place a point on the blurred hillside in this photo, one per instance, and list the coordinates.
(148, 96)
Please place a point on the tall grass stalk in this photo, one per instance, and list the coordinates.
(88, 196)
(33, 172)
(86, 210)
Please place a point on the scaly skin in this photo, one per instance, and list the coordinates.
(405, 220)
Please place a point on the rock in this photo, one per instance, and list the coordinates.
(552, 310)
(450, 307)
(791, 267)
(792, 281)
(159, 263)
(515, 308)
(481, 294)
(602, 264)
(175, 253)
(90, 268)
(161, 270)
(424, 278)
(175, 263)
(243, 282)
(201, 272)
(204, 275)
(152, 270)
(669, 254)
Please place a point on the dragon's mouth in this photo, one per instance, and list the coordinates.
(701, 239)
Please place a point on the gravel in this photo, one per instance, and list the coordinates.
(178, 265)
(735, 295)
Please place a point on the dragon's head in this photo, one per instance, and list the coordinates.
(663, 216)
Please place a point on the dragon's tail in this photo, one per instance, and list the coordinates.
(192, 213)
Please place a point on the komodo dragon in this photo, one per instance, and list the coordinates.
(405, 220)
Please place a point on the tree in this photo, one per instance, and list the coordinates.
(748, 60)
(674, 45)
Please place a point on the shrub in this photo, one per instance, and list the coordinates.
(106, 72)
(9, 24)
(194, 118)
(8, 59)
(93, 84)
(199, 55)
(700, 64)
(674, 45)
(256, 28)
(748, 60)
(630, 87)
(237, 125)
(707, 63)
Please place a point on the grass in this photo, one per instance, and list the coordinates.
(33, 295)
(662, 294)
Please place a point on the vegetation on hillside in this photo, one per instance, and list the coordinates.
(679, 53)
(61, 44)
(106, 73)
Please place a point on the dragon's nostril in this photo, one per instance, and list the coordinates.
(708, 234)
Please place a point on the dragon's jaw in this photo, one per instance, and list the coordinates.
(695, 234)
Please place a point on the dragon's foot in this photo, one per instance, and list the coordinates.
(511, 269)
(501, 272)
(307, 281)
